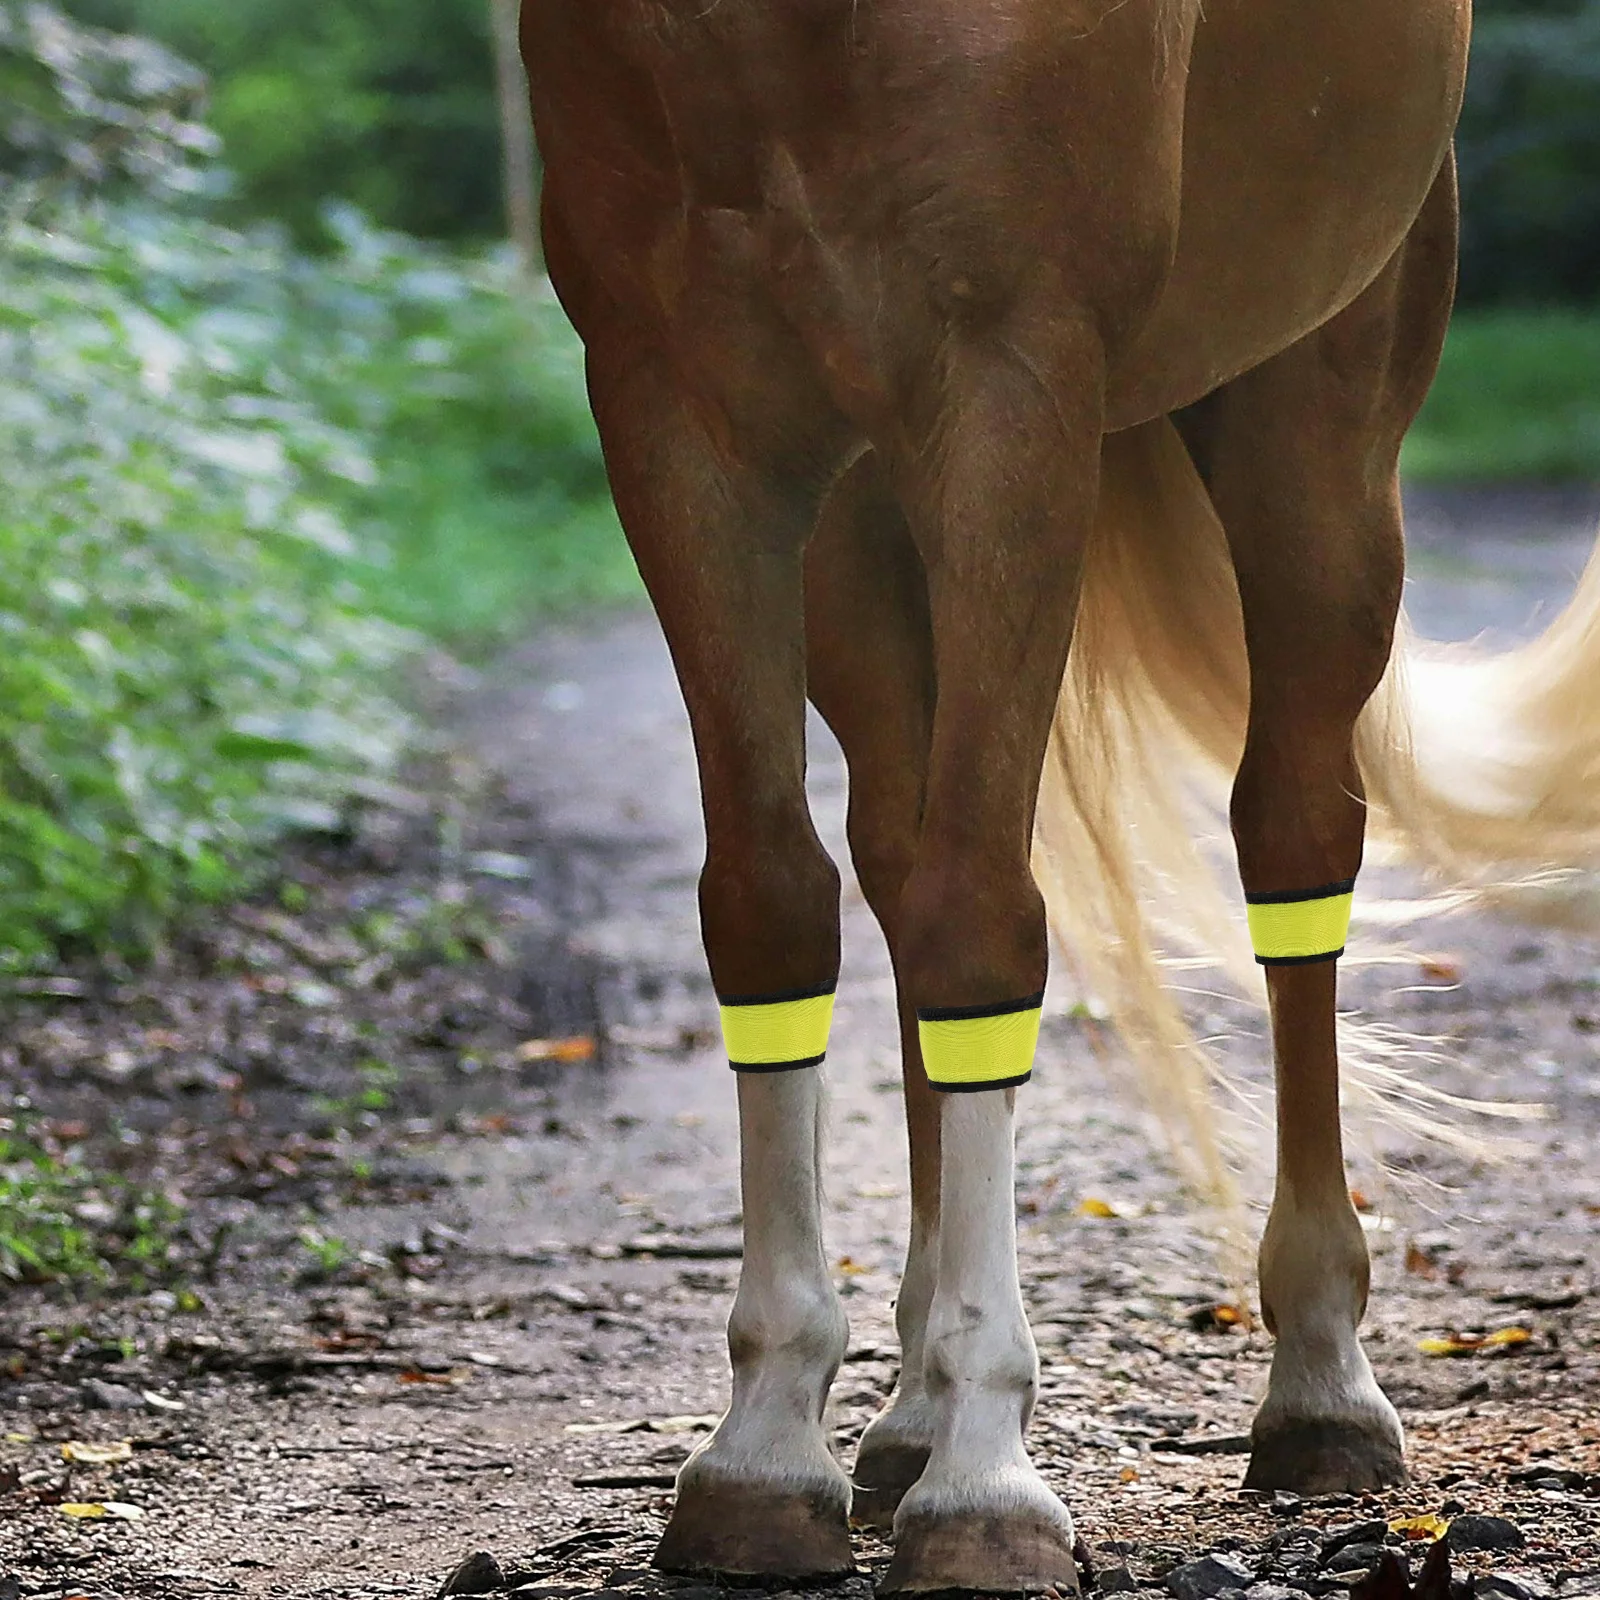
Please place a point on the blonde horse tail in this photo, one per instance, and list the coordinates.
(1482, 767)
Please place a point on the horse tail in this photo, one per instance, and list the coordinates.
(1483, 768)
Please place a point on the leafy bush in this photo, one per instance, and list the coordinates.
(60, 1221)
(1518, 396)
(386, 104)
(96, 110)
(183, 668)
(1530, 153)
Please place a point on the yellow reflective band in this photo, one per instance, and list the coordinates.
(1288, 929)
(980, 1047)
(778, 1033)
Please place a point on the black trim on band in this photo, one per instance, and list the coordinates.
(782, 998)
(1294, 897)
(1299, 961)
(1006, 1008)
(978, 1088)
(778, 1066)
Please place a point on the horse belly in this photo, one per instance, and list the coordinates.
(1312, 135)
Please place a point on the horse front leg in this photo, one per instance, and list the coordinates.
(1000, 498)
(719, 542)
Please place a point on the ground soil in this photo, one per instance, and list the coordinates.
(447, 1280)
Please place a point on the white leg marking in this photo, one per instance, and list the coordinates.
(980, 1364)
(907, 1423)
(787, 1332)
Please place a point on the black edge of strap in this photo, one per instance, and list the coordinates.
(1006, 1008)
(782, 997)
(1299, 961)
(977, 1088)
(777, 1066)
(1294, 897)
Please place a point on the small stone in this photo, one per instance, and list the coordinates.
(479, 1574)
(98, 1395)
(546, 1591)
(1485, 1533)
(1115, 1580)
(1284, 1503)
(1353, 1558)
(1271, 1591)
(1208, 1577)
(1373, 1531)
(1511, 1586)
(624, 1575)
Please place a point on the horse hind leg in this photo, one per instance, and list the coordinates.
(870, 674)
(1301, 459)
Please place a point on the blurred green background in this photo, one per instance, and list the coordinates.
(278, 411)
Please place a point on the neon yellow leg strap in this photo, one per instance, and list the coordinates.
(965, 1048)
(1293, 929)
(778, 1032)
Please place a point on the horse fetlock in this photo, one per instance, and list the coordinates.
(798, 1325)
(1325, 1426)
(970, 1351)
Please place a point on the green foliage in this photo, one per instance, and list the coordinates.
(93, 110)
(1530, 153)
(1518, 396)
(60, 1222)
(387, 104)
(182, 667)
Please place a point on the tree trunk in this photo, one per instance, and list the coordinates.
(519, 164)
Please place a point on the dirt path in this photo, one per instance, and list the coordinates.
(521, 1323)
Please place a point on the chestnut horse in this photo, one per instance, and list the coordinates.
(916, 329)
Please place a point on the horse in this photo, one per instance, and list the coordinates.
(917, 333)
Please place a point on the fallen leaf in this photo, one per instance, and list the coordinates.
(1419, 1262)
(688, 1424)
(1470, 1344)
(1441, 969)
(456, 1375)
(94, 1510)
(1428, 1526)
(577, 1047)
(1359, 1200)
(1102, 1209)
(1220, 1318)
(97, 1455)
(1129, 1475)
(850, 1267)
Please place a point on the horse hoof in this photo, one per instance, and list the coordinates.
(1326, 1457)
(883, 1475)
(727, 1528)
(1017, 1552)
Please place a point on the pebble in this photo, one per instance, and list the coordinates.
(1271, 1591)
(1353, 1558)
(1373, 1531)
(479, 1574)
(1208, 1578)
(1115, 1580)
(1484, 1533)
(98, 1395)
(1510, 1586)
